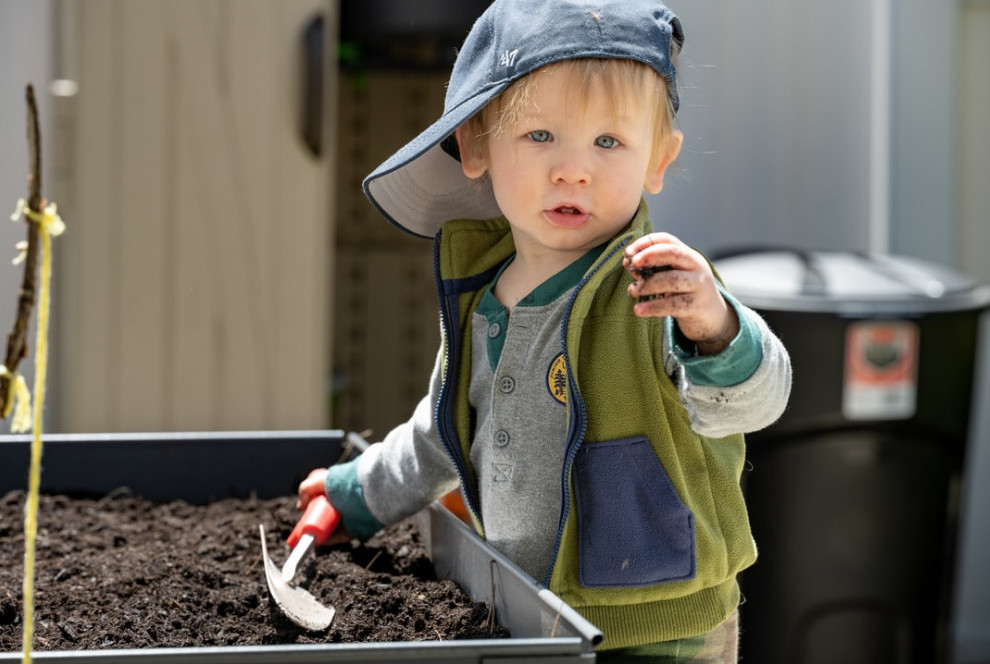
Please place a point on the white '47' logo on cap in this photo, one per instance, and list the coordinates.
(508, 58)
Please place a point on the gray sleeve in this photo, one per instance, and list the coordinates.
(751, 405)
(410, 468)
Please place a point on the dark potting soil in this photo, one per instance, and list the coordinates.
(123, 572)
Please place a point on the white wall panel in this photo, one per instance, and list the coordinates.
(776, 112)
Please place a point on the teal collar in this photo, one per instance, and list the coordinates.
(497, 315)
(550, 289)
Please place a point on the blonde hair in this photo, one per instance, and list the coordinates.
(619, 79)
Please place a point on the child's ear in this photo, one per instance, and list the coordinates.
(473, 164)
(668, 153)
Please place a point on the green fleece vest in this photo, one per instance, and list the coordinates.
(619, 391)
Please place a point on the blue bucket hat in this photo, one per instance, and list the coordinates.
(422, 185)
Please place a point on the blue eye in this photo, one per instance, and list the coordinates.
(606, 142)
(539, 136)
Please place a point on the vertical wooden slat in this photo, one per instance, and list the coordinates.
(252, 53)
(138, 222)
(236, 336)
(195, 305)
(299, 232)
(84, 273)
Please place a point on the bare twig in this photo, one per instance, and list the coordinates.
(368, 566)
(17, 339)
(360, 444)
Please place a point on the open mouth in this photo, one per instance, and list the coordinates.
(567, 216)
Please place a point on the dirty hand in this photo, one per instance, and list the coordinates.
(315, 485)
(672, 279)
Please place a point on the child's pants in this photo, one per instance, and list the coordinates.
(719, 646)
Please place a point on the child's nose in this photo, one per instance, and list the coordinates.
(570, 169)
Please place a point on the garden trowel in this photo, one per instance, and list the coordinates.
(317, 523)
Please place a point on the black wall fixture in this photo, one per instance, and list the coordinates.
(311, 84)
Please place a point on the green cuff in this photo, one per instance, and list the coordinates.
(345, 493)
(732, 366)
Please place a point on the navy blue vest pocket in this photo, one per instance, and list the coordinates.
(633, 528)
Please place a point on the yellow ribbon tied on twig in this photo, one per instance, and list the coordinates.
(49, 224)
(18, 401)
(48, 221)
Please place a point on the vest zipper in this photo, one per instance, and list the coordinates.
(442, 414)
(579, 421)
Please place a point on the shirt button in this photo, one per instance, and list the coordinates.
(494, 330)
(506, 384)
(501, 437)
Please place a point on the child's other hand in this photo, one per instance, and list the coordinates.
(672, 279)
(314, 485)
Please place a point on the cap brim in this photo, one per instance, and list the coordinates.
(421, 187)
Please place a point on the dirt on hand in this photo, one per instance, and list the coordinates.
(123, 572)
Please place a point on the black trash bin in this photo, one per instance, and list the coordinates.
(852, 493)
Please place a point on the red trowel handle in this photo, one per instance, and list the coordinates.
(319, 520)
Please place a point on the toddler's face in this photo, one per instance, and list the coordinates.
(569, 172)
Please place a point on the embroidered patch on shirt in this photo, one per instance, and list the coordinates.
(557, 379)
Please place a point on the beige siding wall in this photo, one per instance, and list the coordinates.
(194, 279)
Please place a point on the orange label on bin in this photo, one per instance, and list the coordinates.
(881, 370)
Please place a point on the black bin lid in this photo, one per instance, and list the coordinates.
(848, 283)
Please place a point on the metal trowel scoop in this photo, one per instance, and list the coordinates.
(315, 526)
(297, 604)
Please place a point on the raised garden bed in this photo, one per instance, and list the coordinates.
(171, 566)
